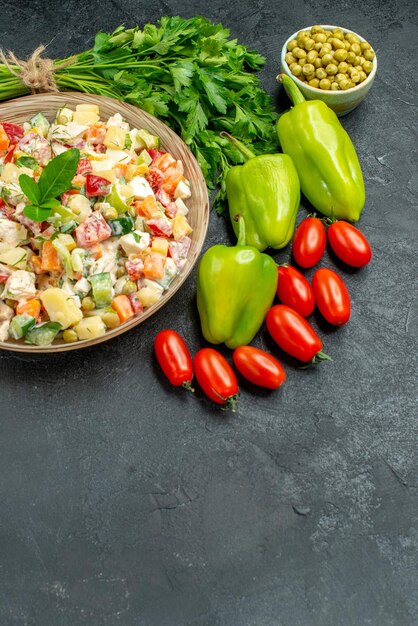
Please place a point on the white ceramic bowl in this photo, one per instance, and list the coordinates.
(342, 102)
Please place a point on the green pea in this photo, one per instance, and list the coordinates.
(320, 37)
(331, 69)
(292, 44)
(309, 44)
(335, 87)
(111, 319)
(326, 49)
(345, 84)
(311, 56)
(364, 45)
(296, 69)
(342, 67)
(129, 287)
(321, 73)
(363, 76)
(355, 76)
(69, 335)
(367, 66)
(308, 68)
(340, 55)
(325, 84)
(318, 62)
(289, 58)
(369, 55)
(87, 304)
(120, 272)
(327, 59)
(110, 213)
(337, 44)
(298, 53)
(314, 82)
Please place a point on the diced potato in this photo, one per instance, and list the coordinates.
(181, 227)
(61, 307)
(101, 165)
(17, 257)
(88, 115)
(68, 241)
(135, 170)
(149, 295)
(11, 173)
(88, 107)
(110, 175)
(64, 116)
(182, 191)
(90, 327)
(115, 138)
(80, 205)
(160, 245)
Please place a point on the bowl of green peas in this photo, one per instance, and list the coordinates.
(332, 64)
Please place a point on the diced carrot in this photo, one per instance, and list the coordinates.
(79, 180)
(164, 162)
(171, 180)
(4, 139)
(36, 264)
(30, 307)
(122, 305)
(96, 133)
(120, 170)
(147, 207)
(50, 259)
(154, 265)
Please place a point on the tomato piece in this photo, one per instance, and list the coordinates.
(259, 367)
(93, 230)
(160, 227)
(309, 242)
(14, 132)
(4, 139)
(135, 303)
(9, 156)
(295, 290)
(331, 296)
(154, 154)
(349, 244)
(155, 178)
(84, 166)
(162, 197)
(216, 377)
(97, 185)
(174, 358)
(134, 268)
(294, 334)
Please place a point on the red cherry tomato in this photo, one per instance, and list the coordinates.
(97, 185)
(216, 377)
(14, 132)
(174, 358)
(293, 334)
(309, 242)
(349, 244)
(331, 296)
(294, 290)
(259, 367)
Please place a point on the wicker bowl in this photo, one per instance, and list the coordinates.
(21, 109)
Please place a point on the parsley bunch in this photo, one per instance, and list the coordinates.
(188, 73)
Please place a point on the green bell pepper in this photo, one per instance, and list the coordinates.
(325, 158)
(266, 192)
(235, 289)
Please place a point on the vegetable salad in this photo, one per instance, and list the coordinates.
(93, 225)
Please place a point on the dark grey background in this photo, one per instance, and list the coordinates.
(126, 502)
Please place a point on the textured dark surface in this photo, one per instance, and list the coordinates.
(125, 502)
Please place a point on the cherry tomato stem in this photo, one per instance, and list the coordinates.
(216, 377)
(294, 334)
(174, 358)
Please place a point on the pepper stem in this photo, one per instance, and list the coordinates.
(246, 152)
(292, 90)
(241, 229)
